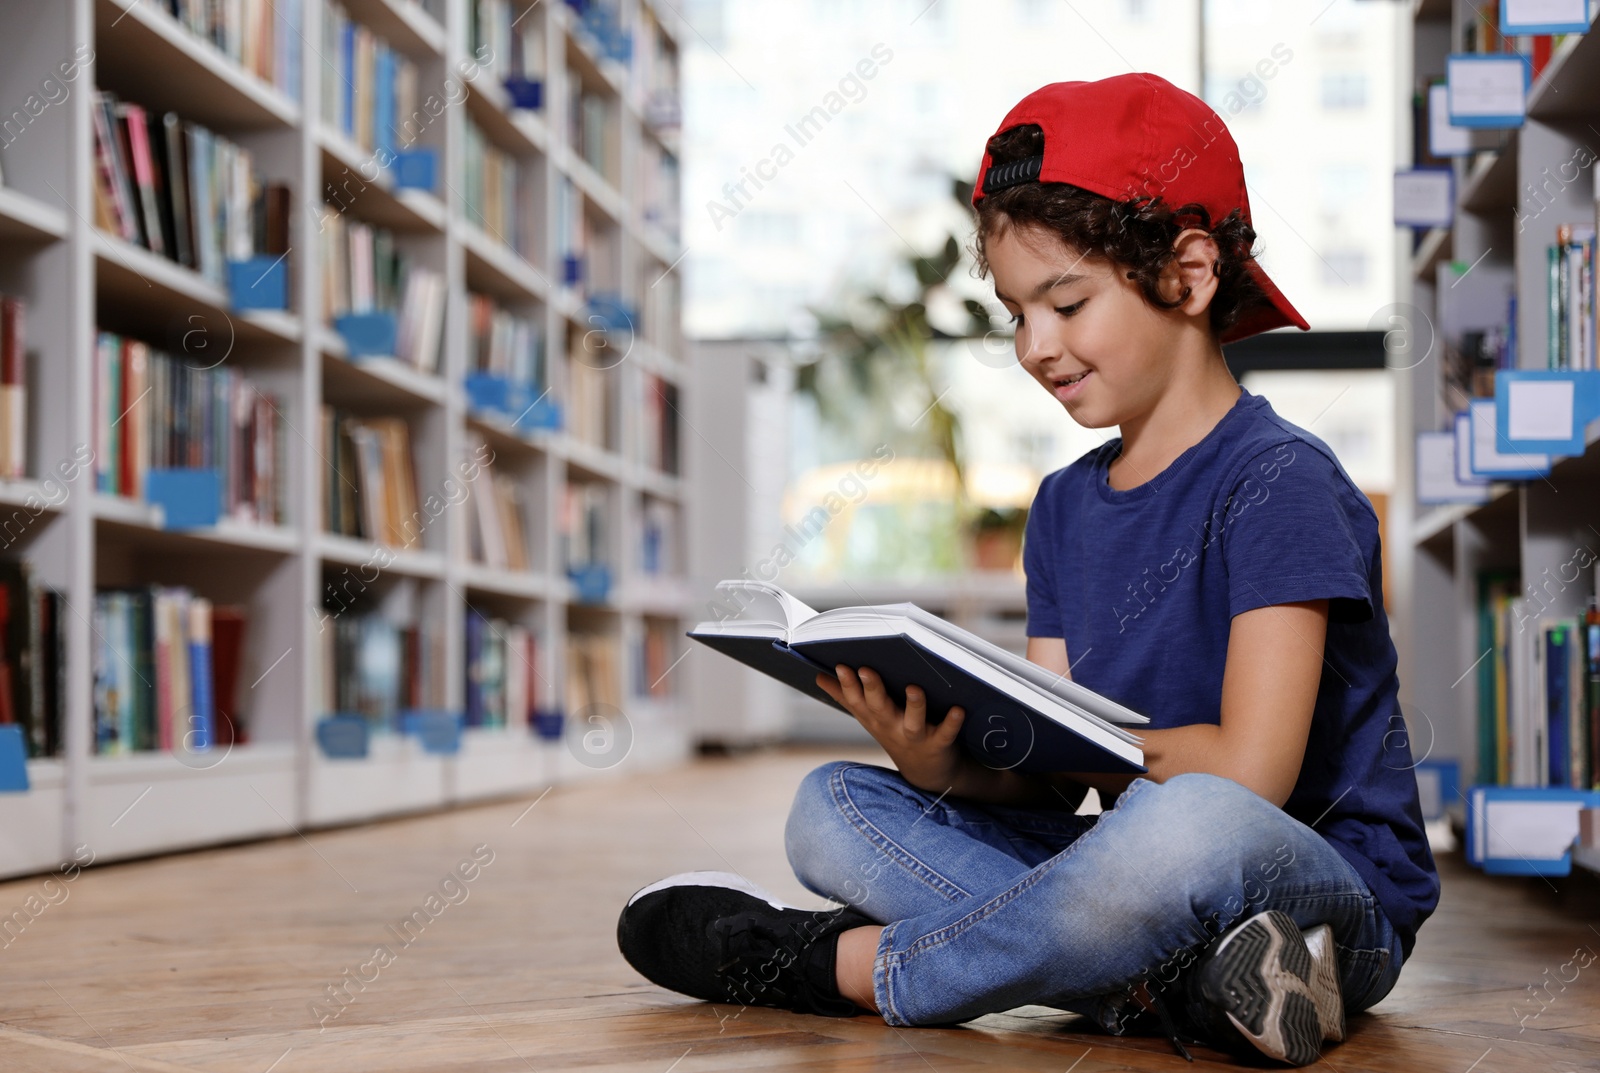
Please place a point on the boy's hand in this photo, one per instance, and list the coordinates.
(926, 755)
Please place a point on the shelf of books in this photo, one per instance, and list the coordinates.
(1501, 371)
(340, 363)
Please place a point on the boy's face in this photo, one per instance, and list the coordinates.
(1086, 332)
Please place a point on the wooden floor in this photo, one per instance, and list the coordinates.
(214, 960)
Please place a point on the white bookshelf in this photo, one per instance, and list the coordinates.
(76, 279)
(1532, 526)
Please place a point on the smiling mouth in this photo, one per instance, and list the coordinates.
(1070, 380)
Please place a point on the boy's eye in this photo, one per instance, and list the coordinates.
(1017, 320)
(1067, 311)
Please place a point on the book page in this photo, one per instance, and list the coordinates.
(763, 609)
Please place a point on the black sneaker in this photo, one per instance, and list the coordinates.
(1277, 987)
(716, 936)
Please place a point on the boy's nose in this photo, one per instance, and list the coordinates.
(1037, 347)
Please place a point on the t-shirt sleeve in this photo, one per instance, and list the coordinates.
(1295, 529)
(1039, 546)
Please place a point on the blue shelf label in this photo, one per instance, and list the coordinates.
(592, 582)
(260, 282)
(1546, 411)
(1519, 17)
(13, 760)
(439, 732)
(542, 413)
(1488, 90)
(368, 335)
(416, 169)
(188, 498)
(548, 723)
(525, 93)
(343, 737)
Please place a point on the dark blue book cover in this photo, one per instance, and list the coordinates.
(1019, 715)
(1557, 703)
(474, 675)
(999, 730)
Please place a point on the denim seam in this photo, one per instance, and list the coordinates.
(1000, 901)
(1034, 825)
(883, 968)
(891, 849)
(1312, 896)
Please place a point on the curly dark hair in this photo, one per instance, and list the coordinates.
(1135, 234)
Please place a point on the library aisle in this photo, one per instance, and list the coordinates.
(238, 948)
(366, 463)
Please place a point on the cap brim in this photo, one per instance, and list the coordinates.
(1278, 314)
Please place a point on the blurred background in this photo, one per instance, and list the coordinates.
(831, 306)
(536, 319)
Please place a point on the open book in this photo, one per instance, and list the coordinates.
(1019, 715)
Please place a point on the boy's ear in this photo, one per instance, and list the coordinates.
(1192, 268)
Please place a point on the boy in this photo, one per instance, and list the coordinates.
(1213, 568)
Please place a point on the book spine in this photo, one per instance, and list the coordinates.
(13, 389)
(8, 705)
(144, 176)
(1556, 704)
(124, 655)
(178, 188)
(121, 155)
(53, 629)
(1553, 310)
(143, 610)
(163, 668)
(203, 702)
(104, 687)
(108, 194)
(1592, 664)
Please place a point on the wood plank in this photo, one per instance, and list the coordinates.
(213, 960)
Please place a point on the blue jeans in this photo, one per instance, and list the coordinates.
(989, 908)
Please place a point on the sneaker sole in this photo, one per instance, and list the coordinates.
(1283, 999)
(726, 880)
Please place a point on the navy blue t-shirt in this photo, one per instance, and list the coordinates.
(1143, 584)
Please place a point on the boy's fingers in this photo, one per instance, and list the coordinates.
(872, 688)
(829, 686)
(849, 685)
(947, 731)
(916, 710)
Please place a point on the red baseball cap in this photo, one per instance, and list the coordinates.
(1138, 135)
